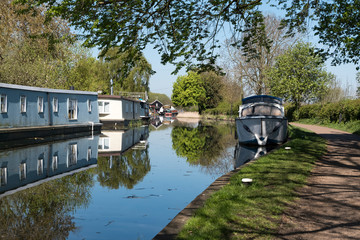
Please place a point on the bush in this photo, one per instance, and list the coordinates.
(344, 111)
(224, 108)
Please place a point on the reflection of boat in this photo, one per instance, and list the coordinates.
(246, 153)
(26, 167)
(261, 121)
(168, 111)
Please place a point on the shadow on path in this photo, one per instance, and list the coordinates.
(329, 205)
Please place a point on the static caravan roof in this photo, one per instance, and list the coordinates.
(50, 90)
(118, 97)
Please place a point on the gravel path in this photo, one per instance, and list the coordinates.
(329, 205)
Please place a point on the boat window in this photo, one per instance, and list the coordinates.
(261, 110)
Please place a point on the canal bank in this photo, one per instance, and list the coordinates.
(318, 214)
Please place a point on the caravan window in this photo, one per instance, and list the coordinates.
(3, 103)
(72, 109)
(104, 107)
(55, 105)
(23, 104)
(40, 104)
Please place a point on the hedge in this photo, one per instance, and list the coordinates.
(344, 111)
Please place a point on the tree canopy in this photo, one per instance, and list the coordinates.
(299, 76)
(188, 32)
(188, 90)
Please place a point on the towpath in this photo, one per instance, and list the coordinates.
(329, 205)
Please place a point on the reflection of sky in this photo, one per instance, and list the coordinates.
(143, 211)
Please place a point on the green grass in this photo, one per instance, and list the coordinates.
(351, 127)
(253, 212)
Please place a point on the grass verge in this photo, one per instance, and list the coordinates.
(254, 212)
(351, 127)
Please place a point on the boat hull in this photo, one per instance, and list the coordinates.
(261, 130)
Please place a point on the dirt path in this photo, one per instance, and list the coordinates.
(329, 205)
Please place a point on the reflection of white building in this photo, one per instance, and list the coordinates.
(115, 142)
(120, 109)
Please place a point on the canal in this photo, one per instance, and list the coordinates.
(121, 184)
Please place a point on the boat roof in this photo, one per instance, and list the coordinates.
(262, 98)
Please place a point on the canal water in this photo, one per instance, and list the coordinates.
(121, 184)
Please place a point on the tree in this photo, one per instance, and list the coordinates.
(190, 30)
(185, 30)
(132, 77)
(248, 67)
(189, 91)
(31, 52)
(213, 84)
(335, 24)
(298, 75)
(358, 88)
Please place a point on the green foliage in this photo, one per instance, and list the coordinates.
(88, 74)
(44, 211)
(344, 111)
(191, 30)
(298, 75)
(201, 145)
(126, 170)
(225, 108)
(202, 90)
(163, 98)
(358, 88)
(213, 84)
(188, 91)
(132, 77)
(253, 212)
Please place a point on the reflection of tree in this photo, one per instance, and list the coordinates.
(43, 212)
(200, 145)
(124, 170)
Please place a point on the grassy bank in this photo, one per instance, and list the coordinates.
(253, 212)
(351, 126)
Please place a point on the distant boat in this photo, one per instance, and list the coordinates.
(261, 121)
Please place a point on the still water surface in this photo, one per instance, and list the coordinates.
(122, 184)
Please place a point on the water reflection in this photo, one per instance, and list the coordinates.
(204, 144)
(25, 167)
(246, 153)
(161, 121)
(123, 157)
(132, 193)
(38, 199)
